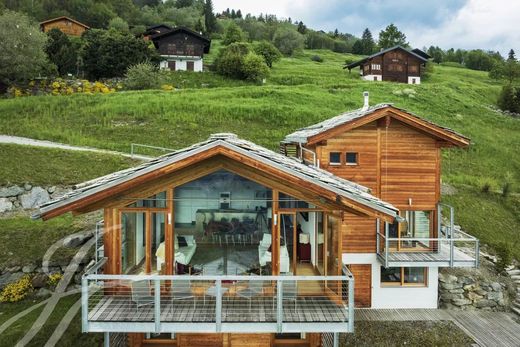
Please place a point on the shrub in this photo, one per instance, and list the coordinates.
(119, 24)
(233, 34)
(142, 76)
(317, 58)
(268, 51)
(288, 40)
(509, 99)
(504, 256)
(54, 279)
(486, 187)
(231, 58)
(16, 291)
(254, 68)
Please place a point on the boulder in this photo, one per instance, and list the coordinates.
(496, 286)
(456, 291)
(473, 296)
(450, 296)
(40, 280)
(30, 268)
(461, 302)
(43, 292)
(7, 192)
(481, 292)
(74, 241)
(485, 303)
(450, 286)
(496, 296)
(51, 190)
(5, 205)
(470, 287)
(9, 278)
(34, 198)
(447, 278)
(27, 186)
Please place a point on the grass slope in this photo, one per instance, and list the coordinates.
(299, 92)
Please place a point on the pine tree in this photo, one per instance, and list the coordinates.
(233, 14)
(302, 29)
(367, 43)
(336, 33)
(391, 36)
(209, 17)
(511, 55)
(357, 47)
(239, 14)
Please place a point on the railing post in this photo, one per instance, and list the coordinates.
(452, 251)
(351, 304)
(84, 304)
(452, 221)
(387, 232)
(477, 253)
(218, 308)
(106, 340)
(157, 304)
(439, 220)
(335, 341)
(378, 241)
(279, 301)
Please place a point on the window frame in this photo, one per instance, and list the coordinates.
(352, 164)
(338, 163)
(402, 283)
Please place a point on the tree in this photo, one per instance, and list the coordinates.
(239, 14)
(199, 27)
(233, 34)
(119, 24)
(183, 3)
(509, 99)
(391, 36)
(302, 29)
(107, 54)
(230, 59)
(357, 48)
(511, 68)
(367, 43)
(142, 76)
(268, 51)
(254, 68)
(436, 53)
(22, 49)
(288, 40)
(61, 52)
(336, 33)
(209, 17)
(511, 55)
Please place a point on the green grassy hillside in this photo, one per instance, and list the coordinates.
(299, 92)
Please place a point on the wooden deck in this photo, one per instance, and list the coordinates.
(306, 310)
(443, 256)
(487, 329)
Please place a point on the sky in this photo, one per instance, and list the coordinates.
(468, 24)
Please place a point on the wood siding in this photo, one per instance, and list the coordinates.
(64, 25)
(180, 44)
(396, 65)
(363, 288)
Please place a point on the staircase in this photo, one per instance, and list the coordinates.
(514, 273)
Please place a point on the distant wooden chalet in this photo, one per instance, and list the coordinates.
(156, 30)
(65, 24)
(396, 64)
(181, 49)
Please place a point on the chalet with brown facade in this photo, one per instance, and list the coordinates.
(156, 30)
(227, 243)
(396, 64)
(181, 49)
(65, 24)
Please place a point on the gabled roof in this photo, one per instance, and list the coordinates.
(359, 62)
(340, 188)
(64, 17)
(421, 53)
(153, 30)
(353, 119)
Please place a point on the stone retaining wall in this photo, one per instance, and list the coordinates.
(27, 196)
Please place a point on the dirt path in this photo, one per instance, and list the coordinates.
(17, 140)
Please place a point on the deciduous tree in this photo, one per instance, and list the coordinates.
(268, 51)
(391, 36)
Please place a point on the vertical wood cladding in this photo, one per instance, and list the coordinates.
(64, 25)
(182, 44)
(396, 65)
(363, 288)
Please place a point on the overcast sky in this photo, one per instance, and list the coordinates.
(487, 24)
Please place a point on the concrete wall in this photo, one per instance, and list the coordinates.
(373, 77)
(396, 297)
(412, 78)
(180, 64)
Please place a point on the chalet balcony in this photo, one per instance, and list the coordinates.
(451, 248)
(210, 304)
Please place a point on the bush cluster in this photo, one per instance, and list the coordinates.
(142, 76)
(238, 61)
(509, 99)
(64, 87)
(54, 279)
(16, 291)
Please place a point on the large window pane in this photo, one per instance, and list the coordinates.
(158, 260)
(133, 242)
(414, 275)
(391, 275)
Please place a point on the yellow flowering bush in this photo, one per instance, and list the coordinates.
(16, 291)
(54, 279)
(65, 87)
(167, 87)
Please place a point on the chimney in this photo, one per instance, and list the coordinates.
(365, 104)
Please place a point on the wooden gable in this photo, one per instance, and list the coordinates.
(65, 24)
(181, 42)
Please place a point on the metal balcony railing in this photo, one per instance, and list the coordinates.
(451, 248)
(210, 304)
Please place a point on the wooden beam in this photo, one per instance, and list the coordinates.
(275, 237)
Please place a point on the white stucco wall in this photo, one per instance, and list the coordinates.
(180, 64)
(417, 80)
(396, 297)
(372, 77)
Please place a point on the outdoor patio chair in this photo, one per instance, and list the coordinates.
(254, 288)
(181, 290)
(141, 294)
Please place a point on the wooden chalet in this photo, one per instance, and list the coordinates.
(65, 24)
(397, 155)
(181, 49)
(396, 64)
(156, 30)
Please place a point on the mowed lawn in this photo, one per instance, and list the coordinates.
(298, 93)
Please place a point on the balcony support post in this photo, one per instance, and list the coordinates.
(452, 251)
(351, 304)
(452, 221)
(387, 232)
(279, 302)
(106, 339)
(477, 253)
(218, 307)
(84, 304)
(157, 305)
(378, 241)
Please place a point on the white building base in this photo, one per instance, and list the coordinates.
(181, 64)
(414, 80)
(396, 297)
(373, 77)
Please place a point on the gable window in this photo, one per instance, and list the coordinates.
(404, 276)
(376, 66)
(351, 158)
(335, 158)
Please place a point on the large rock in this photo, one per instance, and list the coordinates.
(457, 291)
(30, 268)
(5, 205)
(74, 241)
(447, 278)
(485, 303)
(496, 296)
(9, 278)
(40, 280)
(450, 296)
(7, 192)
(43, 292)
(473, 296)
(34, 198)
(461, 302)
(450, 286)
(496, 286)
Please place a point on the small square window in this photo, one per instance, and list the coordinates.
(335, 158)
(351, 158)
